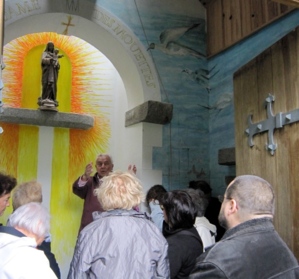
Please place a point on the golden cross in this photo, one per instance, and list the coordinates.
(68, 24)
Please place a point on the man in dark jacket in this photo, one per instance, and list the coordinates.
(250, 248)
(85, 185)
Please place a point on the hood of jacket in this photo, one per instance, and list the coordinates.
(204, 222)
(9, 244)
(119, 212)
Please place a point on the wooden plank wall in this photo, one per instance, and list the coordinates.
(229, 21)
(275, 71)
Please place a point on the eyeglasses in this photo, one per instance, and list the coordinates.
(221, 199)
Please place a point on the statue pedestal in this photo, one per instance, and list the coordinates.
(46, 118)
(48, 108)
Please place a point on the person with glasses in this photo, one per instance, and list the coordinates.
(250, 247)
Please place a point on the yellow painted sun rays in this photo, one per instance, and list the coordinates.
(78, 86)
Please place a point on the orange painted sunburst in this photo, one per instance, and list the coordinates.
(85, 89)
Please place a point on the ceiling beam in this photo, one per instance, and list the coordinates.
(204, 2)
(294, 3)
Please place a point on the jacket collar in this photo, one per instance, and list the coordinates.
(11, 231)
(250, 226)
(118, 212)
(167, 231)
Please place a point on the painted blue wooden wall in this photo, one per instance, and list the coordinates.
(200, 89)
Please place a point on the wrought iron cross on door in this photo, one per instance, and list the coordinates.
(272, 122)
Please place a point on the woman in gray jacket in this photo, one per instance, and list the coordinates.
(120, 242)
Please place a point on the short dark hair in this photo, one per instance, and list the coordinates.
(7, 183)
(201, 185)
(179, 209)
(253, 194)
(155, 192)
(200, 201)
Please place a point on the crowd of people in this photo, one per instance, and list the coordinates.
(178, 238)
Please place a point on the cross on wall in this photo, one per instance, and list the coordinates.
(67, 24)
(270, 124)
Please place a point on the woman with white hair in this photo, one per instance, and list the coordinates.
(30, 224)
(121, 242)
(31, 191)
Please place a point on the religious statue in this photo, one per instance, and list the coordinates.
(50, 69)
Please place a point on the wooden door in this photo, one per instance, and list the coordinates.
(276, 72)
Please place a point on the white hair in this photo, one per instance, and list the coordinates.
(105, 155)
(32, 217)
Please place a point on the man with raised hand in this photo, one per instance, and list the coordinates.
(85, 185)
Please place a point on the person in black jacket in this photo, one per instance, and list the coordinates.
(184, 242)
(250, 248)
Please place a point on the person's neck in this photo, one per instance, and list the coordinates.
(252, 216)
(29, 234)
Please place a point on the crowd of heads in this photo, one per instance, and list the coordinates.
(122, 190)
(246, 197)
(28, 215)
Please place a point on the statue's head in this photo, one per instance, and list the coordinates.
(50, 46)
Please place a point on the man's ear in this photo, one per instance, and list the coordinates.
(232, 207)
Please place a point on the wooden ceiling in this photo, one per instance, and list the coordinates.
(204, 2)
(294, 3)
